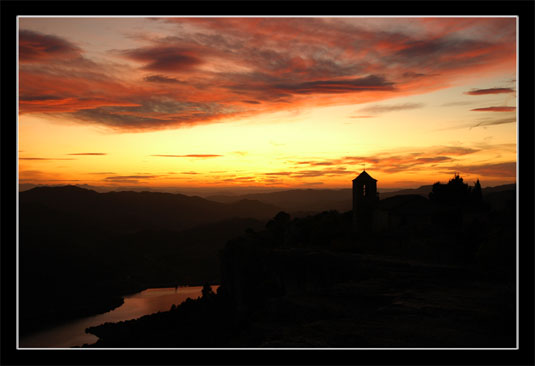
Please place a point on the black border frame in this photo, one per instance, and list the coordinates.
(9, 355)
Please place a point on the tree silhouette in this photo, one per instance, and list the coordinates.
(207, 292)
(477, 196)
(278, 225)
(455, 192)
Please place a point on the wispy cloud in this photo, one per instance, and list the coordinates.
(453, 150)
(389, 162)
(202, 156)
(495, 109)
(308, 173)
(445, 159)
(34, 47)
(161, 79)
(163, 58)
(243, 179)
(368, 83)
(129, 178)
(46, 159)
(458, 103)
(132, 177)
(507, 169)
(378, 109)
(495, 121)
(89, 153)
(490, 91)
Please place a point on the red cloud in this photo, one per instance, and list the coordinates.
(34, 46)
(161, 79)
(158, 58)
(244, 66)
(67, 104)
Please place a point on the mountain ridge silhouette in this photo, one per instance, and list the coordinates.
(329, 199)
(143, 210)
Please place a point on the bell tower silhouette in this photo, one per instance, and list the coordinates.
(365, 198)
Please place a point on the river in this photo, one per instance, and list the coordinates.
(142, 303)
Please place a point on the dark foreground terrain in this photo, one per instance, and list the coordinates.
(440, 273)
(331, 300)
(437, 272)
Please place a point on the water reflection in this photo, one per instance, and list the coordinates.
(142, 303)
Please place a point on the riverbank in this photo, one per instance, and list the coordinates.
(94, 305)
(85, 307)
(148, 301)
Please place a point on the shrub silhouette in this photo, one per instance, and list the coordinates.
(456, 192)
(207, 292)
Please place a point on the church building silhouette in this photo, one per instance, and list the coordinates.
(365, 199)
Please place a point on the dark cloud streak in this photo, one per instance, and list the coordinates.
(495, 109)
(163, 58)
(46, 159)
(161, 79)
(36, 46)
(368, 83)
(490, 91)
(91, 154)
(493, 122)
(378, 109)
(202, 156)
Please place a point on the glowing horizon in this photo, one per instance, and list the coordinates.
(267, 102)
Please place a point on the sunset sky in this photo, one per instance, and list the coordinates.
(266, 102)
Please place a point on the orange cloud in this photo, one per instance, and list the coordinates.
(386, 161)
(507, 169)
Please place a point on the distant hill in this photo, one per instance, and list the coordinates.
(80, 250)
(314, 200)
(140, 210)
(317, 200)
(421, 191)
(505, 187)
(177, 211)
(500, 197)
(27, 186)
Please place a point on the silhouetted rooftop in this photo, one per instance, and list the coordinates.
(364, 176)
